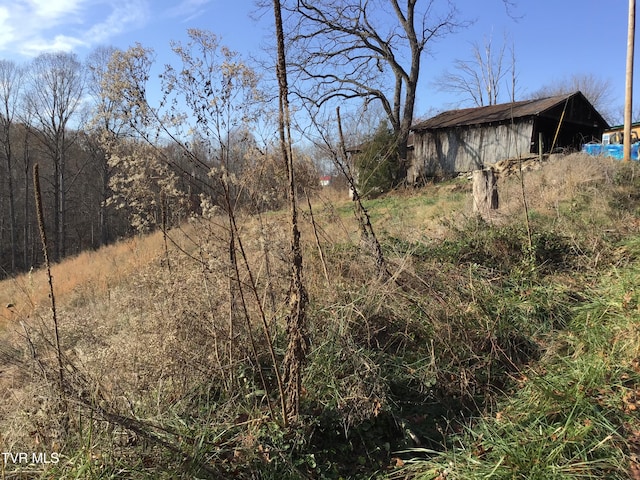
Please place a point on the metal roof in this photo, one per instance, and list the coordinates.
(492, 113)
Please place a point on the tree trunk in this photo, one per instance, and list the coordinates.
(3, 209)
(485, 192)
(12, 213)
(62, 222)
(56, 210)
(8, 154)
(104, 196)
(27, 259)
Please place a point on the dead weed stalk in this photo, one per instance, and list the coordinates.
(52, 297)
(362, 216)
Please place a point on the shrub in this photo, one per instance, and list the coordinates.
(377, 163)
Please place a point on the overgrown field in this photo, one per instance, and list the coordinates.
(501, 348)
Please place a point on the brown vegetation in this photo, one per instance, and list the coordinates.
(159, 365)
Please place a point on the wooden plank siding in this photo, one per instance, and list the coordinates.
(469, 139)
(466, 148)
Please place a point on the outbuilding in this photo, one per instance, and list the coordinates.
(470, 139)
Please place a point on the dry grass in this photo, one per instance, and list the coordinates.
(145, 332)
(93, 271)
(413, 215)
(559, 179)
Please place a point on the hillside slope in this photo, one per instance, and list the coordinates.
(500, 348)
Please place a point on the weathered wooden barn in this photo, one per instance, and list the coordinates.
(469, 139)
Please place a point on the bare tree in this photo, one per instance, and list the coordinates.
(139, 181)
(10, 84)
(25, 138)
(480, 78)
(596, 89)
(56, 86)
(104, 127)
(365, 49)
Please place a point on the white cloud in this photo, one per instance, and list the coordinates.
(60, 43)
(53, 10)
(188, 8)
(6, 29)
(123, 16)
(29, 27)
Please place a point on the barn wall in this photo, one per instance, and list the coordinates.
(463, 149)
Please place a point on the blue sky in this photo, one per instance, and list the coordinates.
(553, 39)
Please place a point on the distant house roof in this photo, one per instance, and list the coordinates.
(356, 148)
(498, 113)
(620, 127)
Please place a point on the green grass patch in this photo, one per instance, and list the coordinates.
(573, 413)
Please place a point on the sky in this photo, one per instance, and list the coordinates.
(553, 39)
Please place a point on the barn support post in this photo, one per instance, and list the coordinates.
(540, 146)
(485, 192)
(555, 137)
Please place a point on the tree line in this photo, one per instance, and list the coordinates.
(43, 120)
(114, 161)
(123, 148)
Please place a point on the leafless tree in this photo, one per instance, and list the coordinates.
(480, 78)
(104, 127)
(56, 87)
(598, 91)
(10, 85)
(370, 50)
(25, 139)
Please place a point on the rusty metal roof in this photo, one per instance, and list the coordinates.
(492, 113)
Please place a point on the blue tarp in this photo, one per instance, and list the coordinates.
(613, 151)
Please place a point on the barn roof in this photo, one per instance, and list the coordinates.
(495, 113)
